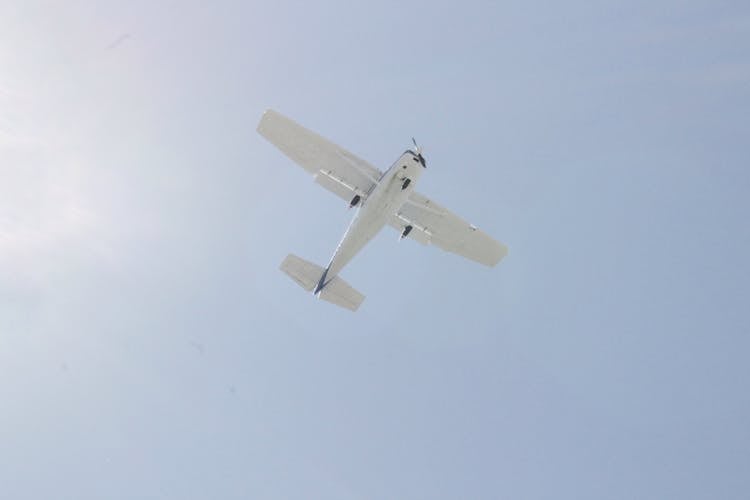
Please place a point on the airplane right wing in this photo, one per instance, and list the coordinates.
(434, 224)
(333, 167)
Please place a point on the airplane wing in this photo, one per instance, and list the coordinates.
(433, 224)
(333, 167)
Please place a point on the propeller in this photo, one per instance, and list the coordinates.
(418, 150)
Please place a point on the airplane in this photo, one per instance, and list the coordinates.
(380, 199)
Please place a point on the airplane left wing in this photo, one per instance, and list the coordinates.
(434, 224)
(334, 168)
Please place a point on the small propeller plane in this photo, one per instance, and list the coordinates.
(380, 199)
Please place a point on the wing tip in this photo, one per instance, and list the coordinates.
(264, 117)
(269, 119)
(500, 254)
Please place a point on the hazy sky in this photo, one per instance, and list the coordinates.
(151, 348)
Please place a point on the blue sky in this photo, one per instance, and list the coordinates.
(150, 348)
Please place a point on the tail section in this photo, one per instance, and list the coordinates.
(339, 292)
(308, 275)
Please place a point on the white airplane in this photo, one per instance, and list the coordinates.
(380, 198)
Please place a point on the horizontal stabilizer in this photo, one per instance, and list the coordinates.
(307, 275)
(341, 293)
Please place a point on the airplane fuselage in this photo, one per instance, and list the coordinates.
(379, 198)
(374, 212)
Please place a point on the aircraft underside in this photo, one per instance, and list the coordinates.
(380, 198)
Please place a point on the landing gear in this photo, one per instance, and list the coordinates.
(406, 232)
(355, 201)
(406, 183)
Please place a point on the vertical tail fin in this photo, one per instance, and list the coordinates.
(307, 275)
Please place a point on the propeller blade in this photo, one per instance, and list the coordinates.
(416, 146)
(418, 150)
